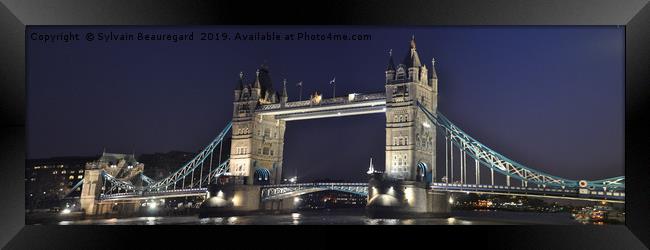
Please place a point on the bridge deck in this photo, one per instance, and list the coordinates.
(340, 106)
(155, 194)
(530, 191)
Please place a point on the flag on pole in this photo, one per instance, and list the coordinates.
(299, 84)
(333, 81)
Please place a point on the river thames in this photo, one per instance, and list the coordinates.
(334, 217)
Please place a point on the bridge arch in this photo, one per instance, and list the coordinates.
(261, 176)
(421, 171)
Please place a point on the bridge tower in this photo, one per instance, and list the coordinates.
(257, 140)
(410, 137)
(90, 190)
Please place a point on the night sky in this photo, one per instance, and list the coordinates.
(548, 97)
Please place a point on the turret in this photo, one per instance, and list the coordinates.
(257, 86)
(424, 77)
(390, 69)
(412, 62)
(434, 76)
(285, 97)
(239, 87)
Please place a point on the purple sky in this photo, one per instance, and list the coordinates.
(548, 97)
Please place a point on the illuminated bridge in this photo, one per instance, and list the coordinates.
(413, 127)
(192, 178)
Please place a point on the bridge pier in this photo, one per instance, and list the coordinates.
(246, 197)
(281, 205)
(391, 198)
(230, 196)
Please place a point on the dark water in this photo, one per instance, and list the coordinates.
(344, 218)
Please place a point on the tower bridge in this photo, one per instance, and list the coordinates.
(411, 181)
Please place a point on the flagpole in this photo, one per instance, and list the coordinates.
(333, 83)
(300, 90)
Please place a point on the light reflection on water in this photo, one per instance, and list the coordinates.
(293, 219)
(322, 219)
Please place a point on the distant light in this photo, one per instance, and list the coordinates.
(426, 125)
(153, 205)
(65, 211)
(451, 200)
(295, 215)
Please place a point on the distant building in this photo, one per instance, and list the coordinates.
(47, 181)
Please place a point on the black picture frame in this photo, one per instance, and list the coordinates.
(16, 15)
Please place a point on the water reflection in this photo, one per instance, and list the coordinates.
(381, 221)
(151, 220)
(296, 218)
(232, 221)
(306, 218)
(408, 222)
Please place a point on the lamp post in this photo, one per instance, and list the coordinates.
(299, 85)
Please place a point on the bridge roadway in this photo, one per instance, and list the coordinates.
(283, 191)
(540, 192)
(139, 195)
(355, 104)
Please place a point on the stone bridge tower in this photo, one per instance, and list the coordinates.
(257, 140)
(410, 136)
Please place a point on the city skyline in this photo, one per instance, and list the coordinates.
(131, 117)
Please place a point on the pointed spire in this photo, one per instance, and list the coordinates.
(284, 88)
(412, 59)
(413, 42)
(257, 84)
(371, 169)
(391, 63)
(434, 75)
